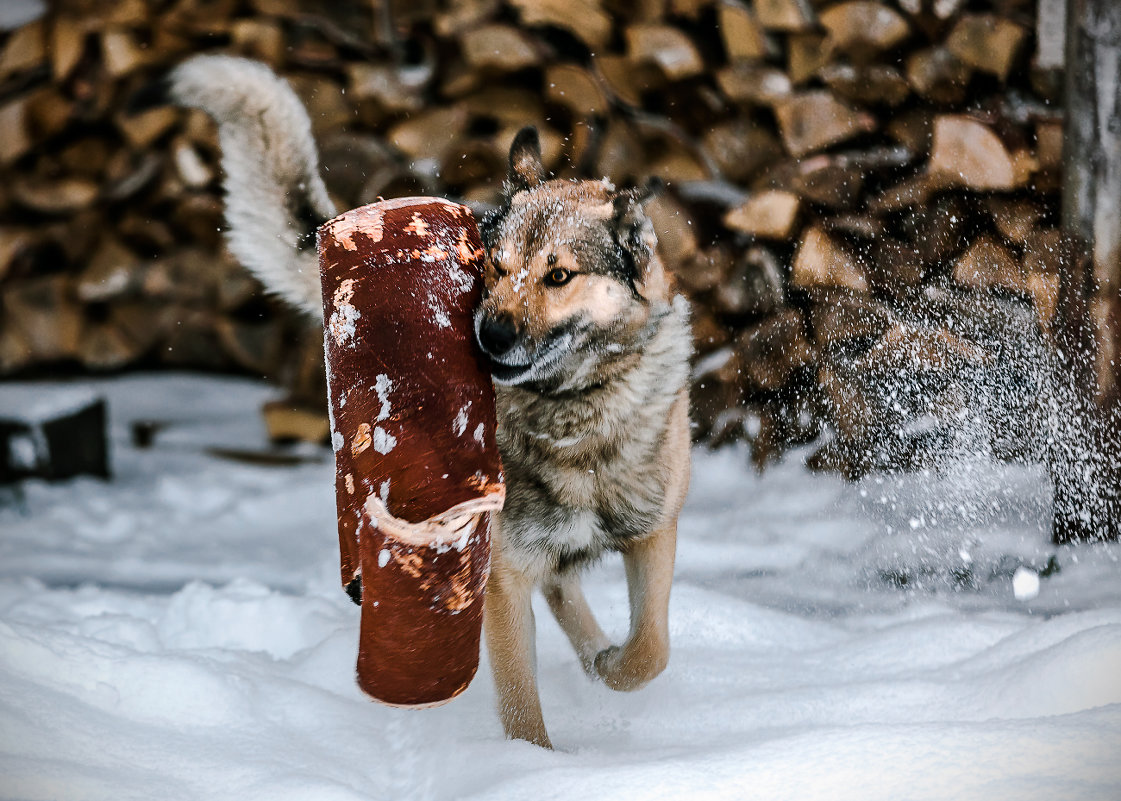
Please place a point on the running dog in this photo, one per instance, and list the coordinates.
(589, 350)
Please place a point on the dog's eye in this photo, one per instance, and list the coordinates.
(558, 276)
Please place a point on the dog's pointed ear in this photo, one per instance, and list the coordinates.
(635, 236)
(632, 226)
(526, 169)
(640, 195)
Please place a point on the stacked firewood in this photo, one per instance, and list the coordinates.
(836, 169)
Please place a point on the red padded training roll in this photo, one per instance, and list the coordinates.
(413, 428)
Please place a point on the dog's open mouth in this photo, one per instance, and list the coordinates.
(508, 373)
(541, 366)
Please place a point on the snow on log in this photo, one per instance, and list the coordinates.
(413, 430)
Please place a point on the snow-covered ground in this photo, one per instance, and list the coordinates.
(179, 633)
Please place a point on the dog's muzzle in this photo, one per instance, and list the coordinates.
(512, 362)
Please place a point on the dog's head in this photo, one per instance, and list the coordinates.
(572, 276)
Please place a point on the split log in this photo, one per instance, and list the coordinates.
(25, 49)
(839, 317)
(501, 48)
(769, 215)
(987, 264)
(15, 351)
(49, 113)
(390, 88)
(853, 415)
(912, 350)
(1014, 218)
(121, 53)
(325, 101)
(986, 42)
(774, 349)
(669, 48)
(47, 317)
(823, 261)
(876, 84)
(754, 84)
(15, 138)
(585, 19)
(1043, 262)
(1049, 145)
(113, 272)
(67, 42)
(740, 148)
(716, 389)
(938, 75)
(826, 180)
(14, 241)
(61, 196)
(806, 54)
(916, 190)
(863, 29)
(255, 347)
(937, 230)
(896, 268)
(967, 153)
(784, 15)
(709, 333)
(262, 39)
(741, 33)
(576, 89)
(143, 322)
(624, 80)
(141, 130)
(430, 134)
(754, 285)
(106, 347)
(855, 226)
(912, 129)
(706, 270)
(812, 120)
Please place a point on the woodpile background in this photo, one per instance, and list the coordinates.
(863, 196)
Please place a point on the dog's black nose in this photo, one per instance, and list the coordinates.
(498, 334)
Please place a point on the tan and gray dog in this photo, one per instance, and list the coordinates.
(589, 350)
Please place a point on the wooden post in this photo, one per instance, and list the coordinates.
(1086, 459)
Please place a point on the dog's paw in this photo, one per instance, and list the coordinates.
(627, 668)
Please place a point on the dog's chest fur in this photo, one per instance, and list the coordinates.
(583, 470)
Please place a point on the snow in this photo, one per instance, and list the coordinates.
(17, 13)
(384, 442)
(383, 385)
(1025, 584)
(180, 633)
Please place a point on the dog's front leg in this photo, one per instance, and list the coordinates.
(570, 608)
(644, 655)
(508, 621)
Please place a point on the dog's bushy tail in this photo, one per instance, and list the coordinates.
(275, 196)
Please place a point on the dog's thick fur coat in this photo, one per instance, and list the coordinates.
(589, 348)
